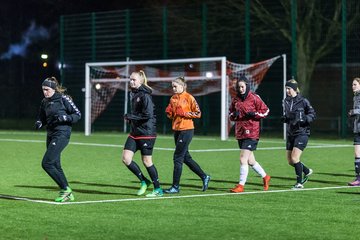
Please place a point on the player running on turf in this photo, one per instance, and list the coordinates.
(58, 112)
(246, 110)
(182, 109)
(142, 134)
(298, 114)
(354, 114)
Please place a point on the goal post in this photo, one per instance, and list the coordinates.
(158, 71)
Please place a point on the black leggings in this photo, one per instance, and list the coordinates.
(51, 160)
(182, 155)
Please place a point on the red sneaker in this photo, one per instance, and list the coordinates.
(237, 189)
(266, 181)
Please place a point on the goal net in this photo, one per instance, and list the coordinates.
(106, 87)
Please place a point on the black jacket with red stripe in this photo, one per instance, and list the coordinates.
(142, 116)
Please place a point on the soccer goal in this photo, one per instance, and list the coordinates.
(103, 80)
(106, 86)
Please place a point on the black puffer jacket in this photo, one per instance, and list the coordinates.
(142, 117)
(298, 114)
(57, 105)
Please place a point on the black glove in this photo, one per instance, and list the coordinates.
(250, 114)
(351, 113)
(38, 125)
(126, 118)
(284, 119)
(235, 114)
(63, 118)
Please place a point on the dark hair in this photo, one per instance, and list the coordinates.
(53, 83)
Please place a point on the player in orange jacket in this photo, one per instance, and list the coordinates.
(182, 109)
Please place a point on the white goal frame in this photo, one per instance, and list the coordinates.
(223, 77)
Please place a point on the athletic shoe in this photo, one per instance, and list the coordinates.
(237, 189)
(158, 192)
(173, 189)
(206, 181)
(143, 186)
(266, 181)
(354, 183)
(65, 195)
(297, 186)
(306, 177)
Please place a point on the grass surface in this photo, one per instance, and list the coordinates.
(94, 169)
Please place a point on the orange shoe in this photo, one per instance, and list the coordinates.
(266, 181)
(237, 189)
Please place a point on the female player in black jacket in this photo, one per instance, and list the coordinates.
(58, 112)
(298, 114)
(142, 134)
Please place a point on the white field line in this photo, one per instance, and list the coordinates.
(172, 149)
(170, 197)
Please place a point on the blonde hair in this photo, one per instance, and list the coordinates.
(143, 77)
(181, 81)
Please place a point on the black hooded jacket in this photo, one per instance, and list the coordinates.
(298, 114)
(57, 105)
(142, 117)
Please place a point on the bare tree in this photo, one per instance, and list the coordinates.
(318, 30)
(318, 26)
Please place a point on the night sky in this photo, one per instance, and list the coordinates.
(31, 27)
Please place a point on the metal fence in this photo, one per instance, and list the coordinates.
(204, 31)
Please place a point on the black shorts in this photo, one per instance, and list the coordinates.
(144, 145)
(357, 139)
(249, 144)
(299, 142)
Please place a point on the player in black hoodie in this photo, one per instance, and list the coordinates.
(58, 112)
(142, 134)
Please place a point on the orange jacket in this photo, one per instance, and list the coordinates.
(182, 109)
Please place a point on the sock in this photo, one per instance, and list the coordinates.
(244, 171)
(305, 169)
(298, 171)
(259, 170)
(135, 169)
(153, 175)
(357, 167)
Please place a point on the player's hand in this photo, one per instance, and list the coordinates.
(284, 119)
(126, 118)
(168, 109)
(235, 114)
(250, 114)
(351, 113)
(38, 125)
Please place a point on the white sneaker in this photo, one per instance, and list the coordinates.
(297, 186)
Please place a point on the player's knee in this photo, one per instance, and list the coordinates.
(126, 161)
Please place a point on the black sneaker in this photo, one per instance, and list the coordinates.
(172, 190)
(206, 181)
